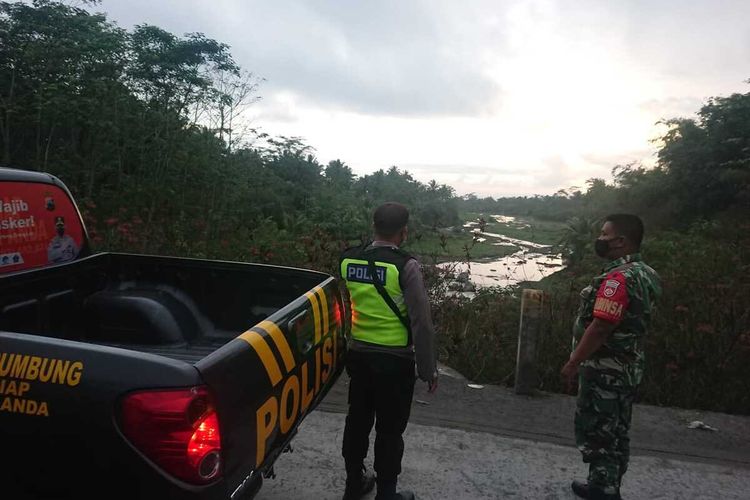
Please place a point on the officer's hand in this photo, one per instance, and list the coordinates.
(569, 372)
(432, 385)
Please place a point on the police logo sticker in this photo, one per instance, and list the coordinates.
(610, 288)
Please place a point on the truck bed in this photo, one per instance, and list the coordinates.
(77, 339)
(148, 304)
(189, 353)
(136, 376)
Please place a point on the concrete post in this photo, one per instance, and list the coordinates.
(528, 335)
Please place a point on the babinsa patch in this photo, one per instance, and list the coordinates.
(610, 288)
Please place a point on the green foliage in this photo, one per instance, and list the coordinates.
(139, 125)
(479, 336)
(577, 238)
(695, 204)
(445, 245)
(144, 127)
(700, 341)
(528, 228)
(708, 159)
(697, 349)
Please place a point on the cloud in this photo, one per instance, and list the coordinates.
(606, 162)
(480, 181)
(391, 57)
(544, 176)
(497, 98)
(674, 107)
(385, 58)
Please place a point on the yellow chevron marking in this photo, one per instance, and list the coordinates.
(313, 298)
(324, 307)
(257, 342)
(279, 339)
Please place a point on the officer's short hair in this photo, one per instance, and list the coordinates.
(629, 226)
(390, 218)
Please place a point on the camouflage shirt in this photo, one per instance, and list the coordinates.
(625, 294)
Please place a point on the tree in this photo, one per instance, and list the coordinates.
(339, 175)
(577, 238)
(59, 66)
(708, 160)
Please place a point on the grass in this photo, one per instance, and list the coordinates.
(540, 231)
(429, 245)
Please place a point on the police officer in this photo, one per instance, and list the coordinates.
(391, 328)
(608, 338)
(62, 247)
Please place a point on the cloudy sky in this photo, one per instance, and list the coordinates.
(492, 97)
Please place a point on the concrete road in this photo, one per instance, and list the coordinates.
(546, 417)
(490, 443)
(447, 463)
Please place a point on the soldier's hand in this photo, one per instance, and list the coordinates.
(569, 372)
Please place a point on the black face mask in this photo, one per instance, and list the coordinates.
(601, 247)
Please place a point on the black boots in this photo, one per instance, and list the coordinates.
(387, 491)
(401, 495)
(361, 482)
(580, 488)
(583, 490)
(359, 485)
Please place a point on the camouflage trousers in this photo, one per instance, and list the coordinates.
(606, 392)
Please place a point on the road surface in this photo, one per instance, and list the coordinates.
(453, 464)
(465, 443)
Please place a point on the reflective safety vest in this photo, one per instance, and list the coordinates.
(373, 320)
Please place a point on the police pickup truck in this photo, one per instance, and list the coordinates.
(136, 376)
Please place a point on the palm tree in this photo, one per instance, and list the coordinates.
(578, 234)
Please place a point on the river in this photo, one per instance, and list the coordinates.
(531, 262)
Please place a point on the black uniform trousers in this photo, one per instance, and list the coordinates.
(380, 392)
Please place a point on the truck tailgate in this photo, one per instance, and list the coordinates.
(59, 410)
(267, 380)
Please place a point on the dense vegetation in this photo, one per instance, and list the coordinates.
(146, 128)
(696, 203)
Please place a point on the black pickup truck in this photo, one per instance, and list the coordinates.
(135, 376)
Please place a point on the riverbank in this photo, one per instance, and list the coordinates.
(697, 347)
(446, 245)
(504, 236)
(527, 228)
(516, 260)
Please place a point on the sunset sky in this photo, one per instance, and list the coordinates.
(492, 97)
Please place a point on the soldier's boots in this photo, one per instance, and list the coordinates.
(359, 485)
(583, 490)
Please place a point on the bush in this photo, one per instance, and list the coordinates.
(698, 346)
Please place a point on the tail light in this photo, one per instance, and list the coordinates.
(178, 430)
(337, 312)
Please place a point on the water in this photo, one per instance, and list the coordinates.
(531, 262)
(510, 270)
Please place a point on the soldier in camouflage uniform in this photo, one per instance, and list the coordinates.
(608, 356)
